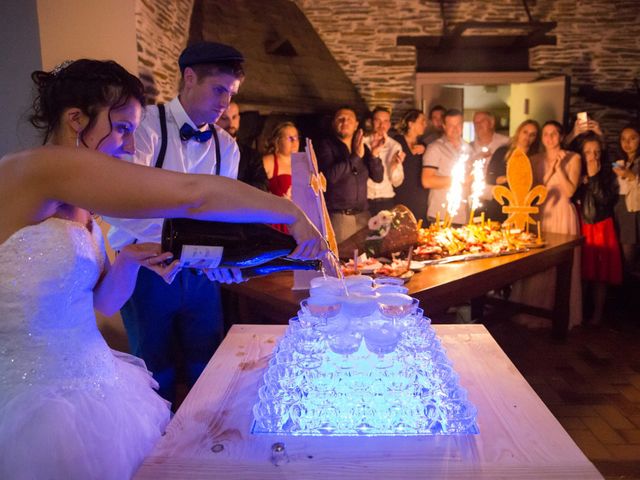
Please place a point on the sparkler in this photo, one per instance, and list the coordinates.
(479, 184)
(454, 195)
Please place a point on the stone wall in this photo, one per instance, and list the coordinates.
(598, 43)
(162, 32)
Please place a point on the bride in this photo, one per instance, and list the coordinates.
(69, 406)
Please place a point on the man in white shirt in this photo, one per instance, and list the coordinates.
(486, 142)
(437, 164)
(380, 195)
(185, 316)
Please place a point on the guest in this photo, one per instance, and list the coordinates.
(381, 195)
(580, 127)
(558, 170)
(438, 162)
(347, 163)
(283, 141)
(411, 193)
(435, 128)
(596, 197)
(527, 139)
(70, 407)
(486, 141)
(627, 209)
(250, 167)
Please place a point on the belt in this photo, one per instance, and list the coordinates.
(348, 211)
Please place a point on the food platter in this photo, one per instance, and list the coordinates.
(437, 245)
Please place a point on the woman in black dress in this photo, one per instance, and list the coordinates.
(411, 193)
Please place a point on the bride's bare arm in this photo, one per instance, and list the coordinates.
(31, 182)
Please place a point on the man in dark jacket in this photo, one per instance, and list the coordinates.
(347, 163)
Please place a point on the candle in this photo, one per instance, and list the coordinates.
(539, 239)
(482, 219)
(471, 217)
(438, 219)
(355, 261)
(409, 255)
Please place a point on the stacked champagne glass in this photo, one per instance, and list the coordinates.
(360, 358)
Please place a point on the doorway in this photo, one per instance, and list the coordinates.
(511, 96)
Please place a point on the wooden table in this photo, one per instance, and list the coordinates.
(519, 438)
(438, 287)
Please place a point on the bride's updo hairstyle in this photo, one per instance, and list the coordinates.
(89, 85)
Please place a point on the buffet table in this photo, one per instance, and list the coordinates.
(438, 287)
(209, 437)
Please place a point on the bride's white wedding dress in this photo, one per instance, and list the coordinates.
(70, 407)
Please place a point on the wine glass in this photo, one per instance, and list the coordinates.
(388, 281)
(359, 306)
(321, 307)
(345, 343)
(396, 306)
(382, 340)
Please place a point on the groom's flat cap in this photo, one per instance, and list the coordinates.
(208, 52)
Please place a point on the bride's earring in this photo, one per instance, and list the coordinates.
(78, 140)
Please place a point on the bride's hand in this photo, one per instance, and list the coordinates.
(150, 255)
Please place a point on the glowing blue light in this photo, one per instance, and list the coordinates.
(372, 375)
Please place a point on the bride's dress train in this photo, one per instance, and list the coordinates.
(70, 407)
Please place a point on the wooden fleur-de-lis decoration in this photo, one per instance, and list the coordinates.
(520, 196)
(318, 183)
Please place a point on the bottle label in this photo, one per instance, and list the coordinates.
(200, 256)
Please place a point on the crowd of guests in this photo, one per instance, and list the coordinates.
(591, 191)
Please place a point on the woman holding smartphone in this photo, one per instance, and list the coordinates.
(595, 199)
(627, 210)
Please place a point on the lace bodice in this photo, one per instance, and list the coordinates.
(48, 331)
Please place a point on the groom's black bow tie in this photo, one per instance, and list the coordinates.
(187, 132)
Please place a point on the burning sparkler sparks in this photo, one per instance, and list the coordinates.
(455, 193)
(478, 186)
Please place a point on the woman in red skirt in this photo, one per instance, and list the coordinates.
(596, 197)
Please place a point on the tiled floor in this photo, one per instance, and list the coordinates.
(591, 383)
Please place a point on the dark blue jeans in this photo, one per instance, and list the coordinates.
(165, 322)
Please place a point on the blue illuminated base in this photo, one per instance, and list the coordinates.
(258, 430)
(309, 389)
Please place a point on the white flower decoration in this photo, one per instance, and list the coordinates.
(385, 217)
(374, 223)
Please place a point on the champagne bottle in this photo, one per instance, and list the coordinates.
(203, 244)
(280, 265)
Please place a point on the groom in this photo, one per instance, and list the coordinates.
(183, 320)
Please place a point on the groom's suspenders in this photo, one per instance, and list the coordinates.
(163, 140)
(163, 143)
